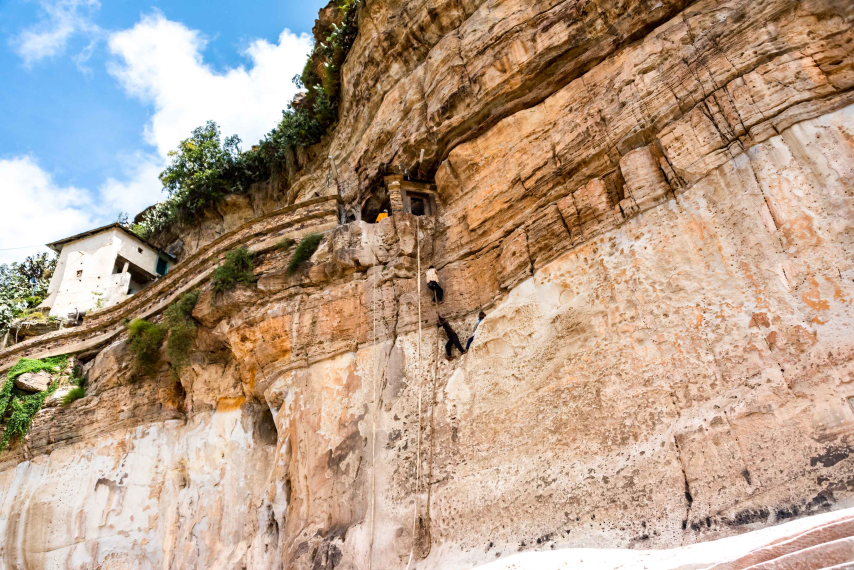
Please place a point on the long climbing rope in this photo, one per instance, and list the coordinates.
(437, 347)
(418, 288)
(418, 376)
(374, 373)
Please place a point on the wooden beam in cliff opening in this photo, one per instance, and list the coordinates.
(411, 196)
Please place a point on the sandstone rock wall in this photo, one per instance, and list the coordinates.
(652, 201)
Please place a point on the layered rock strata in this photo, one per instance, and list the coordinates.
(652, 201)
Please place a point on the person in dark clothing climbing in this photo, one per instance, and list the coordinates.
(453, 339)
(480, 318)
(433, 283)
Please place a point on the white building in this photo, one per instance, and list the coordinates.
(100, 268)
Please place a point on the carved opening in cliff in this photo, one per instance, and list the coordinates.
(414, 197)
(419, 203)
(265, 426)
(376, 203)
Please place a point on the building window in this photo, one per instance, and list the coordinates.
(162, 266)
(419, 204)
(139, 250)
(79, 273)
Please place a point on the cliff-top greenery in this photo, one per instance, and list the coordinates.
(204, 168)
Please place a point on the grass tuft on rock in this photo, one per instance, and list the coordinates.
(146, 338)
(238, 269)
(74, 395)
(77, 392)
(182, 329)
(304, 251)
(286, 244)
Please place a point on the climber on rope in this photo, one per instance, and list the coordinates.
(433, 284)
(480, 318)
(453, 339)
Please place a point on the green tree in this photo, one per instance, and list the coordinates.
(23, 286)
(199, 173)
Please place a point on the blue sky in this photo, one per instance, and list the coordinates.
(95, 93)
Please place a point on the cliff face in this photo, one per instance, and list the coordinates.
(653, 202)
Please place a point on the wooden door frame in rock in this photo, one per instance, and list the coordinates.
(415, 197)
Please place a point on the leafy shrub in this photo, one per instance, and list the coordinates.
(304, 251)
(156, 218)
(22, 407)
(146, 338)
(286, 244)
(195, 178)
(238, 268)
(182, 329)
(53, 364)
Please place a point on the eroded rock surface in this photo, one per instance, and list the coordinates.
(33, 381)
(652, 201)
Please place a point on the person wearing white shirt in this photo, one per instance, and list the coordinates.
(433, 284)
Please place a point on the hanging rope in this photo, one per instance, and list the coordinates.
(420, 370)
(374, 373)
(418, 376)
(437, 347)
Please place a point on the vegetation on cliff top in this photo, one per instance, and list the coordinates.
(205, 168)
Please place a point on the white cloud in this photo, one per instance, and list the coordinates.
(139, 188)
(36, 210)
(61, 20)
(160, 62)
